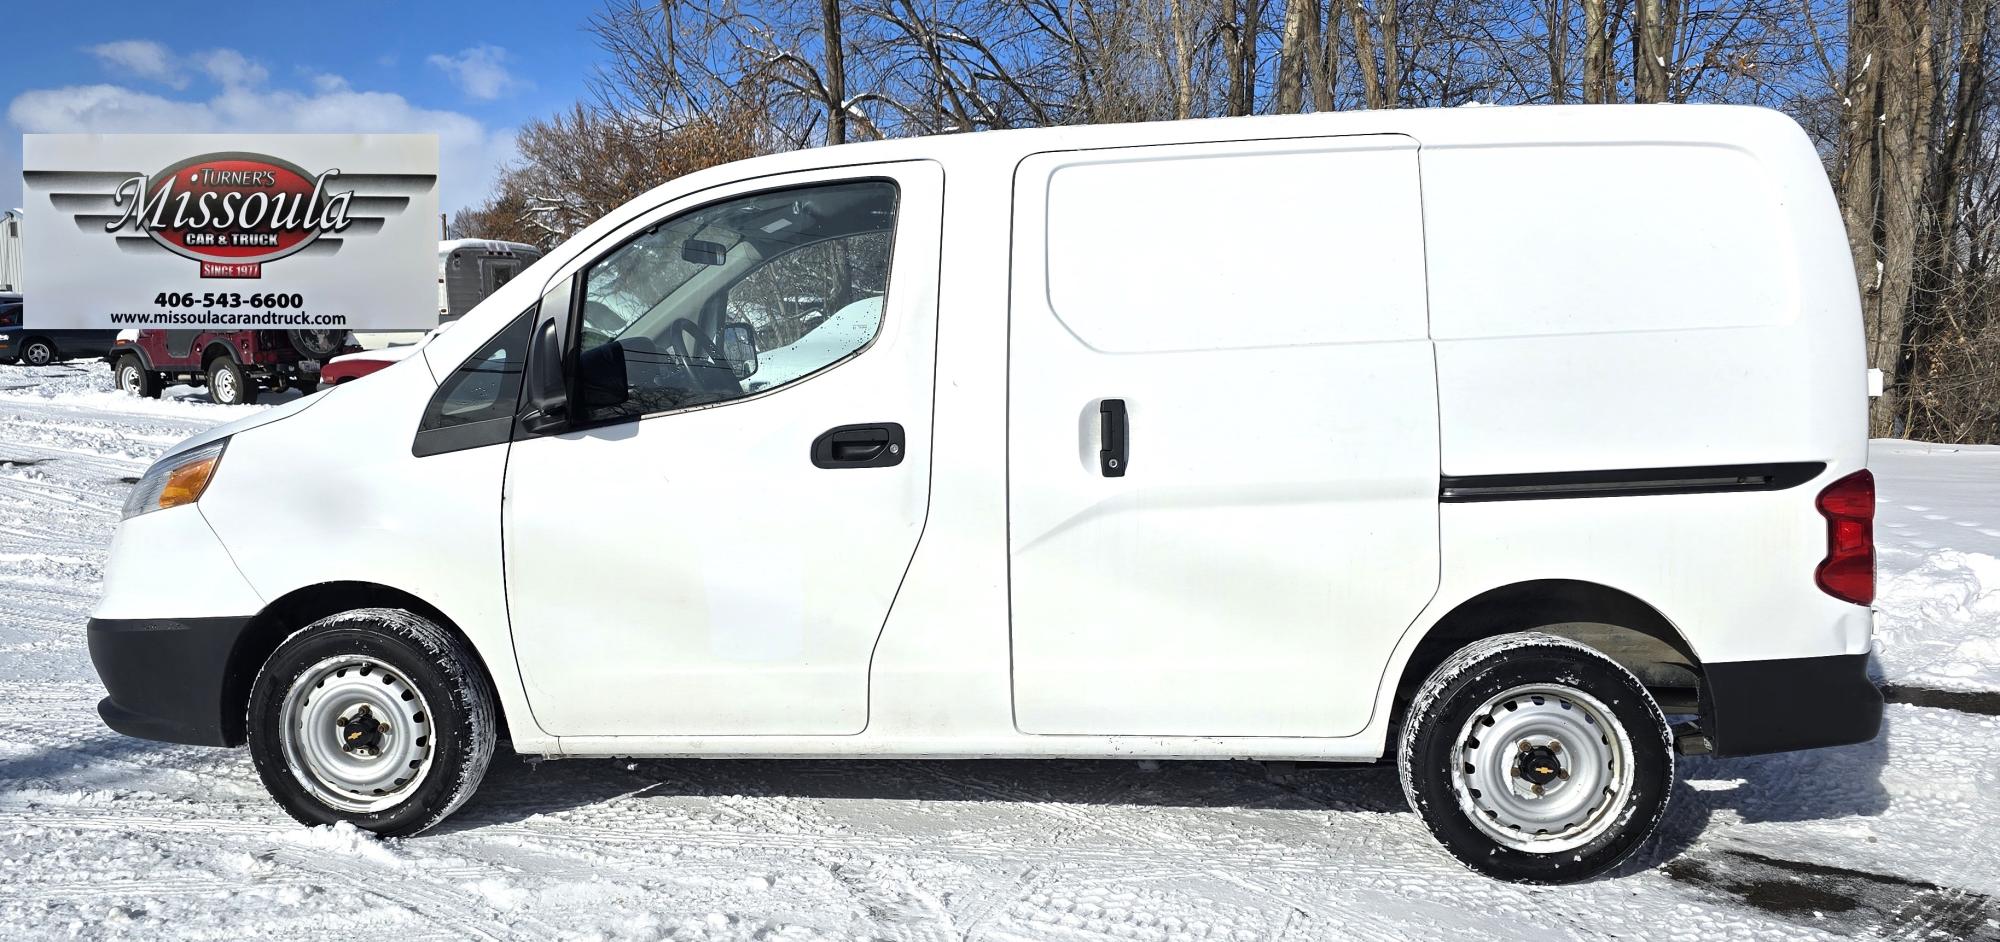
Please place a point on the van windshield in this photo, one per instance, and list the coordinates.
(650, 271)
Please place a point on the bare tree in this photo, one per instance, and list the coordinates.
(1896, 94)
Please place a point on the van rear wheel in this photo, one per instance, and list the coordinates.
(376, 717)
(1536, 759)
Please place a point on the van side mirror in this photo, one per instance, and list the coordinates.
(600, 376)
(547, 401)
(739, 348)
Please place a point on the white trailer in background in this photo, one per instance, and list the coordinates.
(471, 269)
(468, 271)
(10, 250)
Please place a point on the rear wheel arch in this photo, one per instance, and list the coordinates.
(300, 608)
(1619, 625)
(214, 351)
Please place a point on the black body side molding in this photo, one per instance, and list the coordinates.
(1630, 482)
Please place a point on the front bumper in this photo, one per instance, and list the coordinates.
(169, 678)
(1754, 707)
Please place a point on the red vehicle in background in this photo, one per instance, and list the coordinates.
(237, 366)
(349, 367)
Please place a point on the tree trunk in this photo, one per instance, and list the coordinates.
(1364, 54)
(1555, 20)
(1392, 70)
(1290, 95)
(1649, 52)
(1180, 22)
(1596, 54)
(1891, 86)
(836, 72)
(1324, 93)
(1232, 57)
(1253, 20)
(1934, 323)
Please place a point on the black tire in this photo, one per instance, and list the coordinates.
(316, 344)
(132, 376)
(458, 717)
(37, 351)
(1438, 769)
(229, 385)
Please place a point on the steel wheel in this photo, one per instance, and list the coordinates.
(356, 734)
(129, 378)
(226, 390)
(1542, 768)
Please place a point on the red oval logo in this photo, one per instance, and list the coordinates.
(236, 207)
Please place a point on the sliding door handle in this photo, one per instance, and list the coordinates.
(1111, 457)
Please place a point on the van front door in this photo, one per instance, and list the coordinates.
(1222, 435)
(714, 550)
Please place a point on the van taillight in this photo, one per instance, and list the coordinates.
(1848, 572)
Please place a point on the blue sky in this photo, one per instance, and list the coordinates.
(469, 72)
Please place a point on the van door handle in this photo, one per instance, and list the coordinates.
(1111, 459)
(869, 445)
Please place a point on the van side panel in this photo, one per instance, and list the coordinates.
(1630, 297)
(1258, 309)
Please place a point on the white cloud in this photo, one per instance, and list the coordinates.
(230, 68)
(141, 59)
(480, 72)
(468, 152)
(154, 62)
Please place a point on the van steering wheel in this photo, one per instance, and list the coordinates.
(706, 350)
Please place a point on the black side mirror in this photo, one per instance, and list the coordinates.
(739, 348)
(547, 401)
(600, 376)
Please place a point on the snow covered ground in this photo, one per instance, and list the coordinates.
(102, 836)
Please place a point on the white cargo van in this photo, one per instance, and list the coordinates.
(1484, 439)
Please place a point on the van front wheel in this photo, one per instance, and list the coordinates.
(1536, 759)
(376, 717)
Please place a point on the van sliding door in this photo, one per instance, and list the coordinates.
(1222, 435)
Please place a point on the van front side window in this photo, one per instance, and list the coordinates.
(735, 298)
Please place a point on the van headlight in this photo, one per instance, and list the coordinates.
(175, 480)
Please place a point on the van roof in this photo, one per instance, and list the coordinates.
(1740, 126)
(1512, 124)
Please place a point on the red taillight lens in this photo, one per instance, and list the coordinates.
(1848, 572)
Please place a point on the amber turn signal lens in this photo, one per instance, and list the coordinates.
(185, 483)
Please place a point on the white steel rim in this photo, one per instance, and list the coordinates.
(328, 705)
(225, 386)
(128, 378)
(1543, 768)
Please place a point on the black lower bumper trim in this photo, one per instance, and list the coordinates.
(167, 677)
(1754, 707)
